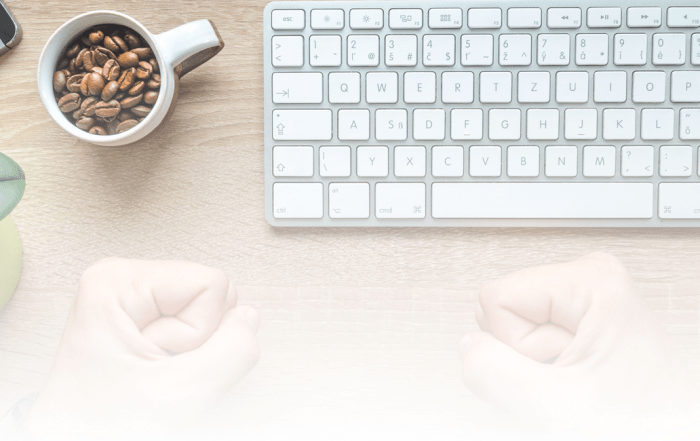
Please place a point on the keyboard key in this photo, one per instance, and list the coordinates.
(409, 161)
(400, 201)
(637, 161)
(406, 18)
(366, 18)
(657, 124)
(293, 161)
(295, 88)
(644, 17)
(445, 18)
(580, 124)
(679, 201)
(690, 124)
(353, 124)
(695, 49)
(553, 49)
(533, 87)
(495, 87)
(382, 87)
(676, 161)
(448, 161)
(630, 49)
(504, 124)
(542, 200)
(599, 161)
(524, 18)
(429, 124)
(466, 124)
(669, 49)
(592, 49)
(564, 18)
(685, 17)
(373, 162)
(324, 50)
(523, 161)
(334, 161)
(604, 17)
(610, 87)
(485, 161)
(363, 50)
(302, 125)
(391, 125)
(348, 200)
(542, 124)
(648, 87)
(288, 51)
(327, 19)
(515, 49)
(572, 87)
(401, 50)
(685, 86)
(477, 50)
(438, 50)
(288, 19)
(297, 200)
(344, 87)
(561, 161)
(619, 124)
(457, 87)
(484, 18)
(419, 87)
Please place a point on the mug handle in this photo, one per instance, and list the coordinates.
(189, 46)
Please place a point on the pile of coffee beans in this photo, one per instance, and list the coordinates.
(108, 80)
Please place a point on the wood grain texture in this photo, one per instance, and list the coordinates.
(368, 315)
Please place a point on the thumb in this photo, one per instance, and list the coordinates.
(499, 374)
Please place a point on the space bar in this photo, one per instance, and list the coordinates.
(465, 200)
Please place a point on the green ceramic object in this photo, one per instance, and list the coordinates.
(11, 191)
(11, 185)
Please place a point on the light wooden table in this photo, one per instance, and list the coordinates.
(360, 327)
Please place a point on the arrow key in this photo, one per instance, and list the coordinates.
(293, 161)
(288, 51)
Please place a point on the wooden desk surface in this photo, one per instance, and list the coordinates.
(358, 325)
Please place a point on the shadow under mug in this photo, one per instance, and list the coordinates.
(177, 51)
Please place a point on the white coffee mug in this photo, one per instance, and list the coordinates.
(177, 51)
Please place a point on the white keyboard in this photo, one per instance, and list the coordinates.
(483, 113)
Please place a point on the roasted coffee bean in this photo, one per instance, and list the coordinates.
(144, 53)
(154, 63)
(112, 126)
(96, 37)
(59, 81)
(72, 67)
(109, 91)
(73, 82)
(85, 123)
(98, 130)
(69, 102)
(73, 50)
(120, 96)
(154, 82)
(119, 42)
(77, 113)
(100, 57)
(107, 109)
(127, 79)
(125, 114)
(94, 83)
(137, 88)
(88, 60)
(89, 105)
(141, 111)
(67, 73)
(150, 97)
(103, 51)
(144, 71)
(97, 70)
(131, 101)
(83, 86)
(127, 125)
(86, 41)
(111, 70)
(63, 63)
(128, 60)
(79, 58)
(132, 40)
(110, 44)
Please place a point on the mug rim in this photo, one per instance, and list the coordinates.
(46, 91)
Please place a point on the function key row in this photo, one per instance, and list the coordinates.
(486, 18)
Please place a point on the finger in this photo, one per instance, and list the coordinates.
(229, 354)
(231, 297)
(495, 372)
(481, 318)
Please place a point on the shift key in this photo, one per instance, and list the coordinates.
(302, 125)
